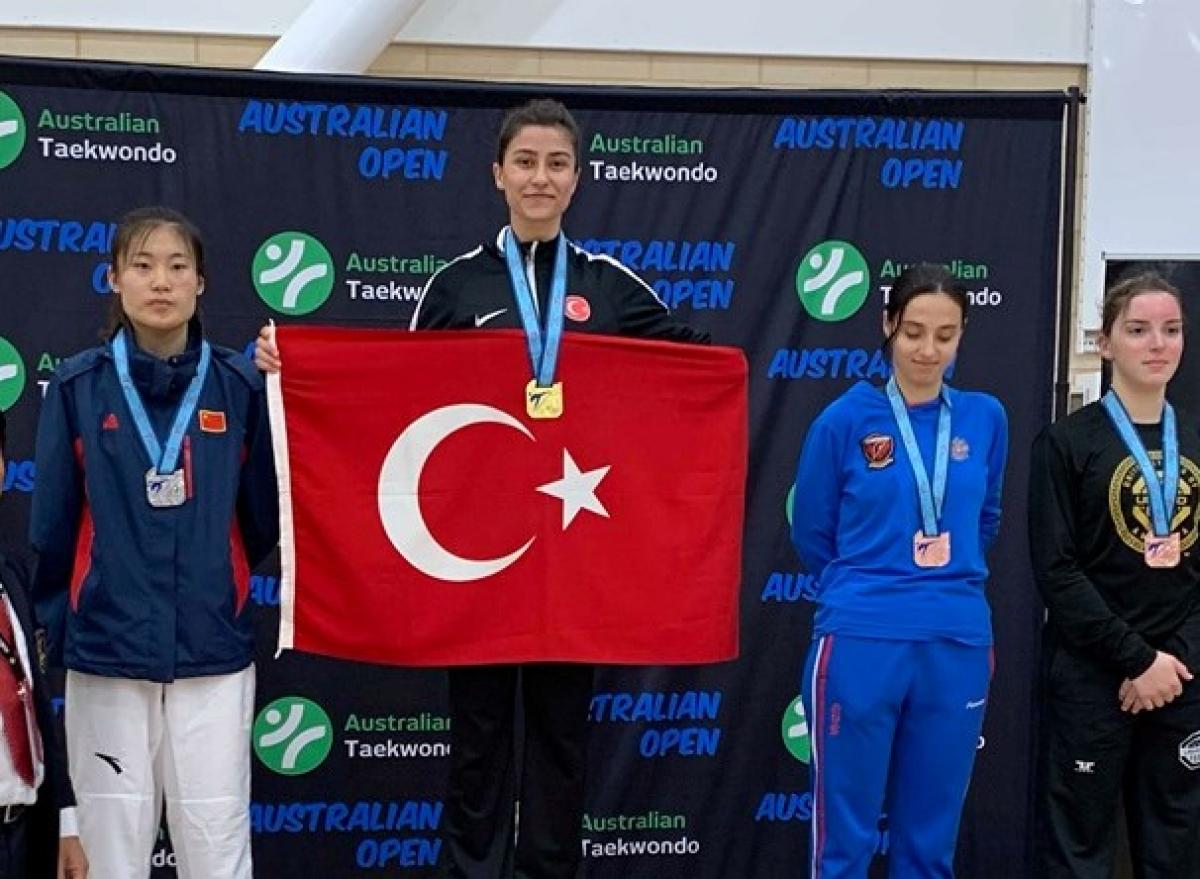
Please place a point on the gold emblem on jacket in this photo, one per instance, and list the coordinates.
(1129, 502)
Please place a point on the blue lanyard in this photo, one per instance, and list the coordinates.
(1162, 494)
(163, 459)
(543, 348)
(933, 498)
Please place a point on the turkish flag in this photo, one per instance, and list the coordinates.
(428, 520)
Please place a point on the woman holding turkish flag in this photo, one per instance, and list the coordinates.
(897, 677)
(529, 277)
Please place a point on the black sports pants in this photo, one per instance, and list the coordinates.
(479, 826)
(1093, 753)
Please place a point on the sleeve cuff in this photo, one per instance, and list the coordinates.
(1140, 664)
(68, 823)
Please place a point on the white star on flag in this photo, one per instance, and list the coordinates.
(576, 489)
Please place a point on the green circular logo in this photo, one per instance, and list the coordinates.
(12, 130)
(795, 731)
(833, 280)
(789, 506)
(292, 735)
(293, 273)
(12, 374)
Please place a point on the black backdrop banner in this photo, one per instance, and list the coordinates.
(777, 221)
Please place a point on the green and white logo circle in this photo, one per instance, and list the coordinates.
(12, 374)
(789, 506)
(833, 280)
(795, 731)
(293, 273)
(12, 130)
(292, 735)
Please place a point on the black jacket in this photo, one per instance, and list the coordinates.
(55, 793)
(1087, 527)
(603, 296)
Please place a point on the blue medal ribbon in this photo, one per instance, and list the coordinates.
(543, 346)
(932, 498)
(163, 459)
(1162, 494)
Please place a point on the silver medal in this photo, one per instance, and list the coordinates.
(165, 489)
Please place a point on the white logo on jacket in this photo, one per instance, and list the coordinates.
(1189, 751)
(481, 319)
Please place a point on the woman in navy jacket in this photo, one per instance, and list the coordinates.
(155, 497)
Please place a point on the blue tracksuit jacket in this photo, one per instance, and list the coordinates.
(854, 528)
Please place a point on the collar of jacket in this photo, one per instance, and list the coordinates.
(159, 379)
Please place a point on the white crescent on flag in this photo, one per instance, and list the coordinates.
(400, 504)
(399, 497)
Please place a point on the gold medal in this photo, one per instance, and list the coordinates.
(931, 552)
(542, 403)
(1162, 552)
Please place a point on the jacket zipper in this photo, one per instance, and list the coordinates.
(531, 274)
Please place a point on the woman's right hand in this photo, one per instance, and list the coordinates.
(1157, 685)
(266, 354)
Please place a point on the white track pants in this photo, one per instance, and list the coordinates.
(129, 742)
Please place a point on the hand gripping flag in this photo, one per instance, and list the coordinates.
(427, 520)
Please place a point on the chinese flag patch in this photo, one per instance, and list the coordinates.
(212, 422)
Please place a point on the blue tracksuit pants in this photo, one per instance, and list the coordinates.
(895, 726)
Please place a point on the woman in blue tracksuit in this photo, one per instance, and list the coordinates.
(155, 496)
(902, 499)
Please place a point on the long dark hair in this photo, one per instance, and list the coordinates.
(539, 111)
(917, 280)
(132, 231)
